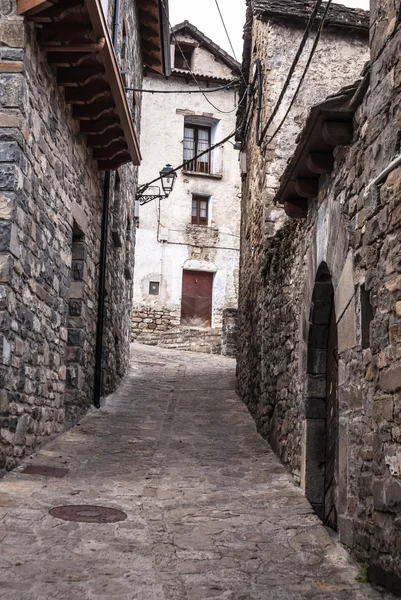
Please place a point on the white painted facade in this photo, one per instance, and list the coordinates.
(167, 241)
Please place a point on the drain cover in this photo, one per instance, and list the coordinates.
(88, 514)
(46, 471)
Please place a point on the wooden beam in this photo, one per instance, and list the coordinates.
(81, 76)
(337, 133)
(307, 187)
(110, 165)
(111, 151)
(92, 111)
(25, 6)
(296, 208)
(93, 128)
(320, 163)
(86, 95)
(102, 141)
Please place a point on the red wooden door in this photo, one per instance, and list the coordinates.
(196, 303)
(331, 477)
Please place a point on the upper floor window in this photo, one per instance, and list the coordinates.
(200, 210)
(183, 57)
(197, 139)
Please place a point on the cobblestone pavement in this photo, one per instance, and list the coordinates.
(212, 514)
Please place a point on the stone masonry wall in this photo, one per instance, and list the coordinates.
(153, 319)
(357, 236)
(51, 196)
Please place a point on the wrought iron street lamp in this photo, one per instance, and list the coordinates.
(167, 177)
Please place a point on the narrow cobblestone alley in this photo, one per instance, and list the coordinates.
(211, 513)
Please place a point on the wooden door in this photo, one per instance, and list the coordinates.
(331, 470)
(196, 303)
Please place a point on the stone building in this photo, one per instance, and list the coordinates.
(69, 154)
(320, 288)
(187, 257)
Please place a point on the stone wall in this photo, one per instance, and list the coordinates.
(51, 196)
(148, 319)
(350, 241)
(229, 334)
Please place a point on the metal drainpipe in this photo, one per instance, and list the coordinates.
(98, 387)
(116, 23)
(102, 292)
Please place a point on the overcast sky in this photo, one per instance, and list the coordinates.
(204, 15)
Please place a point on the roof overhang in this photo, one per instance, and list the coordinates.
(186, 28)
(76, 38)
(155, 35)
(329, 124)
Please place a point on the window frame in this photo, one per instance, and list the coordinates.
(199, 166)
(156, 291)
(188, 51)
(197, 219)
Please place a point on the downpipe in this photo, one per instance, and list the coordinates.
(98, 388)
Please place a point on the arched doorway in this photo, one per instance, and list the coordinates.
(321, 403)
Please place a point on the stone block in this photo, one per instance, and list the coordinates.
(5, 350)
(12, 34)
(21, 430)
(346, 287)
(346, 531)
(316, 362)
(315, 408)
(11, 66)
(77, 290)
(395, 333)
(390, 379)
(314, 459)
(392, 494)
(347, 329)
(8, 119)
(6, 267)
(10, 90)
(79, 217)
(318, 336)
(9, 152)
(394, 284)
(8, 177)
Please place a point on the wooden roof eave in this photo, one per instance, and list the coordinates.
(154, 29)
(329, 124)
(108, 74)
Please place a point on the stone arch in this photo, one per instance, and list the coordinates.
(321, 401)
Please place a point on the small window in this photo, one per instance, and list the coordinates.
(196, 141)
(183, 57)
(200, 210)
(154, 288)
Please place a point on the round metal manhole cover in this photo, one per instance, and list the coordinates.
(88, 514)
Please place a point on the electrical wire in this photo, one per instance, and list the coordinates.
(287, 82)
(189, 66)
(204, 91)
(225, 29)
(144, 187)
(311, 55)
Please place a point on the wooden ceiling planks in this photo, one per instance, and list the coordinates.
(77, 41)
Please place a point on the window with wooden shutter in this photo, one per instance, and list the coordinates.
(200, 210)
(196, 141)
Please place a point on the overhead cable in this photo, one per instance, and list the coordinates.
(225, 29)
(201, 91)
(187, 162)
(287, 82)
(311, 55)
